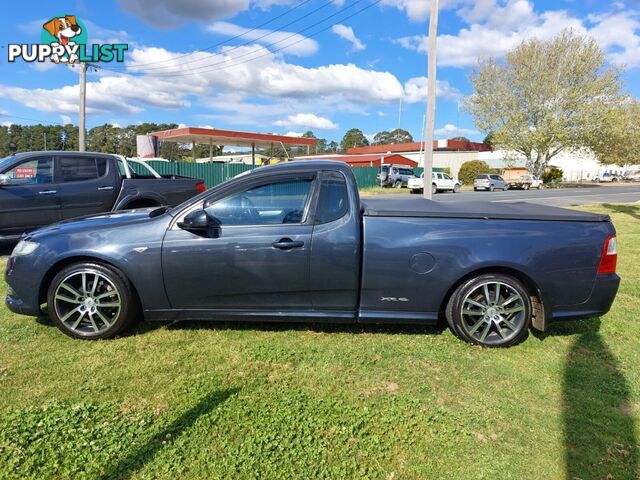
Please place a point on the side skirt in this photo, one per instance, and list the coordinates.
(252, 315)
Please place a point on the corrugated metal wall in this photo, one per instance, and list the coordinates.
(215, 173)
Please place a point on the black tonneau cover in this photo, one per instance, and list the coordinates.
(419, 207)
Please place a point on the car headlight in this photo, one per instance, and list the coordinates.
(24, 247)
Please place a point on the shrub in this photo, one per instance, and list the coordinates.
(469, 170)
(552, 175)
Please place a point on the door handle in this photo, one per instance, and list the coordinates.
(104, 188)
(287, 244)
(47, 192)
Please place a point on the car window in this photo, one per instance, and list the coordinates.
(269, 204)
(406, 171)
(76, 169)
(446, 177)
(395, 170)
(439, 176)
(495, 177)
(333, 200)
(33, 171)
(385, 169)
(481, 177)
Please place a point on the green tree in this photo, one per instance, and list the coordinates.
(461, 139)
(333, 146)
(469, 170)
(394, 136)
(353, 138)
(617, 142)
(545, 98)
(552, 175)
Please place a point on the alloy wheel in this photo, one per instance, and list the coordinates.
(493, 313)
(87, 302)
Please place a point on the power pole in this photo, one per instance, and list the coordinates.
(431, 99)
(83, 105)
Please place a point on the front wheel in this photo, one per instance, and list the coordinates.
(434, 189)
(398, 184)
(91, 301)
(456, 188)
(492, 310)
(505, 188)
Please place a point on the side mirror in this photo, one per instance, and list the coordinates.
(196, 220)
(5, 180)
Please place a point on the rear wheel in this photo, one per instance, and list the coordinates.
(492, 310)
(526, 186)
(505, 188)
(91, 301)
(492, 188)
(456, 188)
(434, 189)
(398, 184)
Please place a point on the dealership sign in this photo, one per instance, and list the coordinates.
(64, 40)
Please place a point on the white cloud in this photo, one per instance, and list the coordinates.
(294, 134)
(450, 130)
(506, 27)
(292, 43)
(415, 90)
(418, 10)
(307, 120)
(66, 119)
(170, 14)
(347, 34)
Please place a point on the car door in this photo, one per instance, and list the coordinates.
(447, 181)
(255, 259)
(29, 195)
(88, 184)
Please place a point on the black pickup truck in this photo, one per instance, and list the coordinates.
(40, 188)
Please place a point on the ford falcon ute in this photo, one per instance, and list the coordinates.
(294, 242)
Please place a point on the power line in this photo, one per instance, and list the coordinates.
(269, 52)
(43, 122)
(171, 73)
(210, 47)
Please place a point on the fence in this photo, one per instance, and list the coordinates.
(215, 173)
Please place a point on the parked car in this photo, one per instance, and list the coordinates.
(294, 242)
(440, 182)
(632, 176)
(607, 177)
(489, 181)
(396, 176)
(39, 188)
(519, 177)
(536, 182)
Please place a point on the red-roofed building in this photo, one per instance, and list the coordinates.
(370, 160)
(440, 145)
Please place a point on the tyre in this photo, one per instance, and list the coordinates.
(505, 188)
(475, 189)
(456, 188)
(416, 190)
(492, 188)
(540, 186)
(526, 186)
(398, 184)
(434, 189)
(91, 301)
(492, 310)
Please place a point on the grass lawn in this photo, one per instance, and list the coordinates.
(232, 401)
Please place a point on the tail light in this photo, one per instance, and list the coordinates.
(201, 187)
(609, 256)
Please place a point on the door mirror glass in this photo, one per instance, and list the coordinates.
(4, 180)
(196, 220)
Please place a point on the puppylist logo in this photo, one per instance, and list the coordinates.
(64, 40)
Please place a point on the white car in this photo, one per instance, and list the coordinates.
(439, 182)
(536, 182)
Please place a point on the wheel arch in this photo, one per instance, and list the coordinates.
(539, 320)
(64, 262)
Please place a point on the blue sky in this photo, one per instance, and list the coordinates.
(184, 66)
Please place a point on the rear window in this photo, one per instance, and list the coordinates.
(481, 177)
(385, 169)
(333, 200)
(76, 169)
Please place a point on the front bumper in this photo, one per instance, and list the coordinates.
(23, 287)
